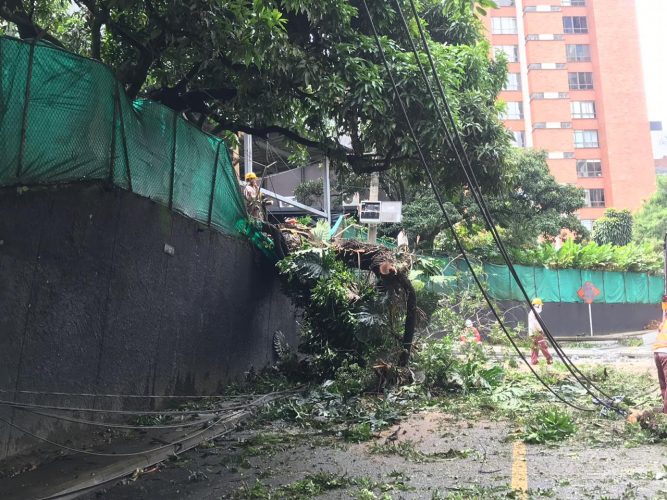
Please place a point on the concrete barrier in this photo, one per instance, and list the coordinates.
(102, 291)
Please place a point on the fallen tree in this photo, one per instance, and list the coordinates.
(350, 306)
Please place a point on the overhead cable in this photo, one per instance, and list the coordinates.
(448, 220)
(479, 198)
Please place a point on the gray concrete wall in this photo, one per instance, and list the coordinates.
(568, 319)
(90, 302)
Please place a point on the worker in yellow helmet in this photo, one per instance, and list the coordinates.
(660, 355)
(252, 195)
(536, 334)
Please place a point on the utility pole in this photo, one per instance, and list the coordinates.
(247, 153)
(326, 205)
(373, 195)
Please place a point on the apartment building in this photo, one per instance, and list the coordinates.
(576, 89)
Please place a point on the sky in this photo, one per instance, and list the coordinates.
(652, 18)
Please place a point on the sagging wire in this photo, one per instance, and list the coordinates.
(109, 425)
(34, 406)
(448, 220)
(120, 396)
(129, 454)
(213, 423)
(474, 185)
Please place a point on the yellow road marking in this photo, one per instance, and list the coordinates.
(520, 469)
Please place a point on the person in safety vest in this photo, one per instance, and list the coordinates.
(536, 334)
(470, 334)
(252, 196)
(660, 356)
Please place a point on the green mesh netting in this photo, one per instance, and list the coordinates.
(65, 118)
(560, 285)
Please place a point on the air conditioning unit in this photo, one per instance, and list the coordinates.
(375, 212)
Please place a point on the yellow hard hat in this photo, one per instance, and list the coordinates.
(250, 176)
(536, 301)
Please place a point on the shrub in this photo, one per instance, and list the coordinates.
(548, 425)
(443, 369)
(614, 228)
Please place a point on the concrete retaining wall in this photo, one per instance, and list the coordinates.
(91, 303)
(569, 319)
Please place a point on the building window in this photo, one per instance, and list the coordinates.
(503, 25)
(545, 37)
(510, 51)
(586, 139)
(513, 81)
(519, 138)
(513, 111)
(587, 223)
(575, 24)
(594, 198)
(505, 3)
(580, 80)
(573, 3)
(578, 53)
(589, 168)
(582, 109)
(656, 126)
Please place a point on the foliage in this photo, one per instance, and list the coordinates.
(344, 316)
(548, 425)
(531, 202)
(650, 222)
(628, 258)
(443, 369)
(407, 450)
(310, 192)
(528, 203)
(475, 240)
(614, 228)
(309, 70)
(422, 217)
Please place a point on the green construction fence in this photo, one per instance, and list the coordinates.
(556, 285)
(65, 118)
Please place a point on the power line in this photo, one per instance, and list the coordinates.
(111, 425)
(130, 454)
(475, 187)
(120, 396)
(447, 219)
(14, 404)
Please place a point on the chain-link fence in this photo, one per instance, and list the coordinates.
(65, 118)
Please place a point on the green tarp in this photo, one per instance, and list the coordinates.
(561, 285)
(64, 118)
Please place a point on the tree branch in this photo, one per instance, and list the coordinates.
(361, 164)
(13, 11)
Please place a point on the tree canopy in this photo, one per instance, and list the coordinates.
(528, 203)
(650, 222)
(308, 69)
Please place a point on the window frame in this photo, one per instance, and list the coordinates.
(586, 142)
(577, 57)
(519, 143)
(506, 115)
(502, 28)
(599, 202)
(573, 25)
(582, 113)
(579, 85)
(594, 173)
(510, 58)
(518, 82)
(573, 3)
